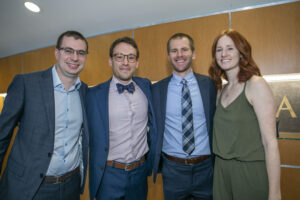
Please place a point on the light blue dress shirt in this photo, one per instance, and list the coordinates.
(68, 123)
(172, 143)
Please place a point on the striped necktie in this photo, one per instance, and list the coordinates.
(188, 141)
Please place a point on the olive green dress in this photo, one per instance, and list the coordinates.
(240, 170)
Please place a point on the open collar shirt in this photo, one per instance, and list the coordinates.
(68, 123)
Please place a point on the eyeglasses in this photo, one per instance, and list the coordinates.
(69, 51)
(120, 57)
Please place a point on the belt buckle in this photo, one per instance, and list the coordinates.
(186, 161)
(126, 168)
(57, 180)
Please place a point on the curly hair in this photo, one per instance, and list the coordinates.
(248, 67)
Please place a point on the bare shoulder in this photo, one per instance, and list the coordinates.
(257, 88)
(256, 82)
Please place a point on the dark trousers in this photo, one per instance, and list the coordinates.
(182, 182)
(68, 190)
(119, 184)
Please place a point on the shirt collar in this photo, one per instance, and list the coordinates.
(115, 81)
(189, 77)
(58, 84)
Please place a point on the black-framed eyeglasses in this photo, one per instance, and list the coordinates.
(69, 51)
(120, 57)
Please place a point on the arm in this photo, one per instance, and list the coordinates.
(11, 112)
(260, 96)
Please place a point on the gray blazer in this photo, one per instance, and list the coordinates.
(29, 104)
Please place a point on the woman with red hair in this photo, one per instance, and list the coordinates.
(247, 164)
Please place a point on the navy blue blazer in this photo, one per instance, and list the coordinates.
(97, 111)
(159, 93)
(29, 104)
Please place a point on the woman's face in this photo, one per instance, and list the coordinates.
(227, 55)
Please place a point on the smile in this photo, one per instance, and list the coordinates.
(125, 69)
(73, 65)
(225, 60)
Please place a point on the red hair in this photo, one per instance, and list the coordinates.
(248, 67)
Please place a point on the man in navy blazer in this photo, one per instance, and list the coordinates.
(121, 124)
(185, 161)
(48, 159)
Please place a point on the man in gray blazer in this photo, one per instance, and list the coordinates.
(48, 159)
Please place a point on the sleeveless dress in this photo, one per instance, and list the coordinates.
(240, 171)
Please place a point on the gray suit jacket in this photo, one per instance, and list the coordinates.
(29, 104)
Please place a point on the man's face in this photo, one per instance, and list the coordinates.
(181, 56)
(70, 63)
(123, 62)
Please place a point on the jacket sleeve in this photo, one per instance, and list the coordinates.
(11, 112)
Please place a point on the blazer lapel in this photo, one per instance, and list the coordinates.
(143, 87)
(47, 89)
(102, 105)
(205, 97)
(146, 90)
(163, 98)
(82, 95)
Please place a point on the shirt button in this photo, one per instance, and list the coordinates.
(49, 154)
(101, 168)
(105, 149)
(41, 175)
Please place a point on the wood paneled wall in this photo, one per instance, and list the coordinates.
(290, 177)
(152, 43)
(1, 103)
(38, 59)
(9, 67)
(274, 33)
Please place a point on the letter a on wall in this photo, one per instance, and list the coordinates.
(287, 107)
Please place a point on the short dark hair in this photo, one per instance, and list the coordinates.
(126, 40)
(181, 35)
(74, 34)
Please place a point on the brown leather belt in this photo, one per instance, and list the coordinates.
(62, 178)
(187, 161)
(126, 167)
